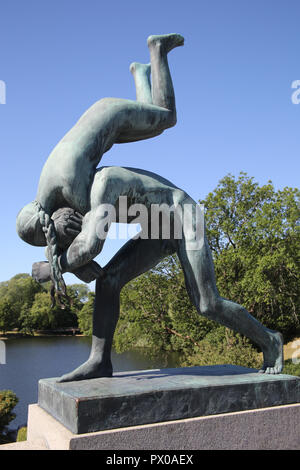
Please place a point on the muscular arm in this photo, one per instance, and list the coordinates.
(68, 225)
(85, 247)
(87, 273)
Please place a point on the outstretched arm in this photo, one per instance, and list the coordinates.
(86, 273)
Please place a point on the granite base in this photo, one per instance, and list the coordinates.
(275, 428)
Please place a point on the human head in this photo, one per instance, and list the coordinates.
(29, 227)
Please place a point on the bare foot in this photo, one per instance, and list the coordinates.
(273, 356)
(90, 369)
(166, 41)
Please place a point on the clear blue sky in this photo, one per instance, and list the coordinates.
(232, 81)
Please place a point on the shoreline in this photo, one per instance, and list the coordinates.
(41, 333)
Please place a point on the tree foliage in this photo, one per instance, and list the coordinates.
(8, 316)
(19, 293)
(8, 401)
(156, 312)
(85, 315)
(25, 305)
(253, 232)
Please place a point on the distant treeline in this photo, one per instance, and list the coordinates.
(25, 306)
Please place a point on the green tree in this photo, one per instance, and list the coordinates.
(223, 346)
(8, 317)
(42, 317)
(8, 401)
(25, 304)
(253, 232)
(85, 315)
(20, 293)
(80, 292)
(156, 313)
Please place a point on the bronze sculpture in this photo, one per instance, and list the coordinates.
(68, 214)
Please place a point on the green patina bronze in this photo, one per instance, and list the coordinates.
(66, 215)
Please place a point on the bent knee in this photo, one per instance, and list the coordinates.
(209, 309)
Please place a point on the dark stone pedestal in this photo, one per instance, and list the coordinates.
(152, 396)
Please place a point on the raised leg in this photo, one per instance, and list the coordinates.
(149, 120)
(141, 75)
(162, 85)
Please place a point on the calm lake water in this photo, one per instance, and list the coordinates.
(31, 359)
